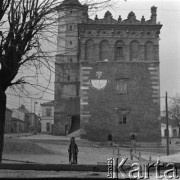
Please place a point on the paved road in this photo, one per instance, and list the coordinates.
(45, 174)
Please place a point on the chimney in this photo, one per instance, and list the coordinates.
(153, 14)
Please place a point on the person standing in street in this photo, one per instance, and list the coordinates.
(73, 151)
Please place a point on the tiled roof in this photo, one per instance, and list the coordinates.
(50, 103)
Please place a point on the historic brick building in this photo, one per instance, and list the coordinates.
(107, 75)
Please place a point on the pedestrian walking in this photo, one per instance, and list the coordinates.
(73, 151)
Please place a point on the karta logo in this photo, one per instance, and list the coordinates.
(119, 170)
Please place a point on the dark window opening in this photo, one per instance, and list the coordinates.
(89, 32)
(124, 118)
(47, 127)
(70, 42)
(104, 32)
(119, 51)
(165, 132)
(119, 32)
(109, 137)
(70, 27)
(48, 112)
(133, 136)
(68, 78)
(70, 60)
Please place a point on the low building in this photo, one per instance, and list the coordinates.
(19, 125)
(47, 119)
(173, 128)
(8, 117)
(34, 125)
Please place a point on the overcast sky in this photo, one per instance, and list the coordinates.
(168, 13)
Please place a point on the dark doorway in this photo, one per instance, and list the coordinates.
(75, 123)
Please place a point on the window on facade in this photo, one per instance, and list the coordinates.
(122, 118)
(70, 42)
(47, 127)
(149, 51)
(68, 78)
(104, 32)
(70, 27)
(89, 51)
(134, 51)
(119, 32)
(48, 112)
(118, 50)
(121, 86)
(105, 52)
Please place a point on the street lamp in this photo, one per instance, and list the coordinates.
(35, 117)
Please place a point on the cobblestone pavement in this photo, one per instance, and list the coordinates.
(65, 174)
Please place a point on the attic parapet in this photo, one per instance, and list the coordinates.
(131, 18)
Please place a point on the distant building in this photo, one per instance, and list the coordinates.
(107, 80)
(25, 121)
(8, 118)
(173, 128)
(19, 121)
(34, 125)
(47, 119)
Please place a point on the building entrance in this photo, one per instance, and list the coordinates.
(75, 123)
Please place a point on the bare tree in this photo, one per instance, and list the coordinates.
(24, 25)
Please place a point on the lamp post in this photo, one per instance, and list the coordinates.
(35, 117)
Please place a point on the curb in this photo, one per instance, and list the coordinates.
(57, 167)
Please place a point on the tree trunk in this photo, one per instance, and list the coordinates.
(2, 120)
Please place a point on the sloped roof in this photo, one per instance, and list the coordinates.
(172, 122)
(50, 103)
(71, 2)
(7, 109)
(23, 109)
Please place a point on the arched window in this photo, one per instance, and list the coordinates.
(149, 51)
(90, 50)
(119, 50)
(134, 51)
(104, 50)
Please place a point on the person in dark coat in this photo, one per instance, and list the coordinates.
(73, 151)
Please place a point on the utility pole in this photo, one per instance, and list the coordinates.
(167, 125)
(35, 117)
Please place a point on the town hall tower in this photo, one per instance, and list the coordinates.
(107, 76)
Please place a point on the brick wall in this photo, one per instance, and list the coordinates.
(98, 107)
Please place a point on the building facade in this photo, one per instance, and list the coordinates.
(8, 126)
(107, 76)
(173, 127)
(34, 123)
(19, 123)
(47, 119)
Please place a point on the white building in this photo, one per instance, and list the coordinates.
(172, 126)
(47, 119)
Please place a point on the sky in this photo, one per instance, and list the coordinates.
(168, 14)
